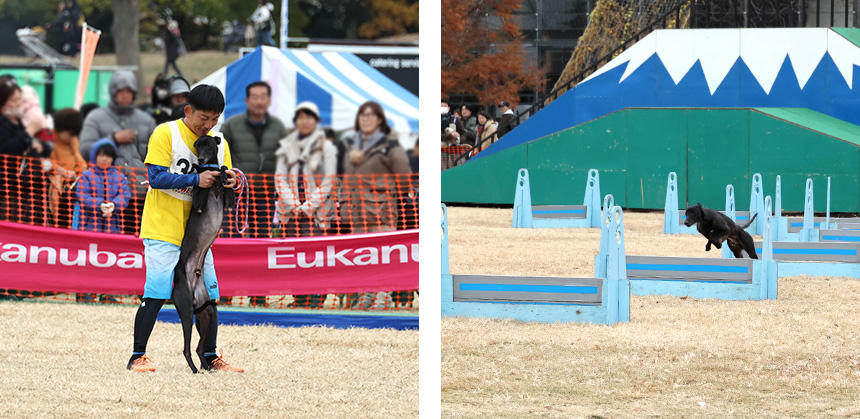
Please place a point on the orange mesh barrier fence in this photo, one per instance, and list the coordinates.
(451, 155)
(111, 200)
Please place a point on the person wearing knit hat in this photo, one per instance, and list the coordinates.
(309, 107)
(120, 121)
(304, 179)
(178, 91)
(102, 191)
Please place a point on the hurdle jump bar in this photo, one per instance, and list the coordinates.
(825, 258)
(795, 224)
(527, 215)
(603, 300)
(738, 279)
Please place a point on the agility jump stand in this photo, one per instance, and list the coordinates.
(527, 215)
(674, 217)
(603, 300)
(809, 222)
(796, 229)
(725, 279)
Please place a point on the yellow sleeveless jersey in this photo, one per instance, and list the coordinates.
(165, 215)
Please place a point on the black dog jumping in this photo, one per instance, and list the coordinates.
(717, 228)
(190, 295)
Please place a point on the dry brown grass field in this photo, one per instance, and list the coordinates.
(797, 356)
(68, 360)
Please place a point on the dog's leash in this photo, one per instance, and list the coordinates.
(242, 190)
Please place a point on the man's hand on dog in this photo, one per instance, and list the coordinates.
(207, 179)
(231, 182)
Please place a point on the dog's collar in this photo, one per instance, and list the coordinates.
(210, 166)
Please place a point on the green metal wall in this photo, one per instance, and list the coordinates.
(66, 82)
(635, 149)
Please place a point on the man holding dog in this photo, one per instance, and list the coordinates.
(169, 160)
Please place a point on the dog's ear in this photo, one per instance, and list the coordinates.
(217, 140)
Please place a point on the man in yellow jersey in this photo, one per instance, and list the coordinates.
(170, 162)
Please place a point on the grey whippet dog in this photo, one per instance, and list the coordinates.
(190, 295)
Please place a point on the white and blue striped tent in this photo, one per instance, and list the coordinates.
(338, 82)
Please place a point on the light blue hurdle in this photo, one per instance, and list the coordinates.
(527, 215)
(674, 217)
(602, 300)
(834, 253)
(725, 279)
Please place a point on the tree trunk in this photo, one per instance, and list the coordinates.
(126, 24)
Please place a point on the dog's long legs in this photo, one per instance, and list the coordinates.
(207, 328)
(185, 310)
(186, 317)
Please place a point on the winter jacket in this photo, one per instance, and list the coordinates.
(488, 135)
(316, 157)
(470, 131)
(66, 156)
(372, 202)
(249, 153)
(104, 122)
(96, 186)
(14, 138)
(506, 123)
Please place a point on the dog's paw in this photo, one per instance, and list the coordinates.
(718, 245)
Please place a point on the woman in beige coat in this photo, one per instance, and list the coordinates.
(306, 167)
(486, 131)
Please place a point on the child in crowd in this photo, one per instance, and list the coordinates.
(102, 191)
(67, 164)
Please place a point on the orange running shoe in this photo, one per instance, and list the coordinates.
(219, 364)
(141, 364)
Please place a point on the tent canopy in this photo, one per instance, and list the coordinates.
(338, 82)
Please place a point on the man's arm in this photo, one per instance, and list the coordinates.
(160, 178)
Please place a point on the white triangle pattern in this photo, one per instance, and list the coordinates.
(762, 50)
(845, 55)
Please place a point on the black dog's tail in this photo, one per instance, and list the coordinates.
(748, 222)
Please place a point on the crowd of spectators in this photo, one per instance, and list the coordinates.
(92, 167)
(474, 129)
